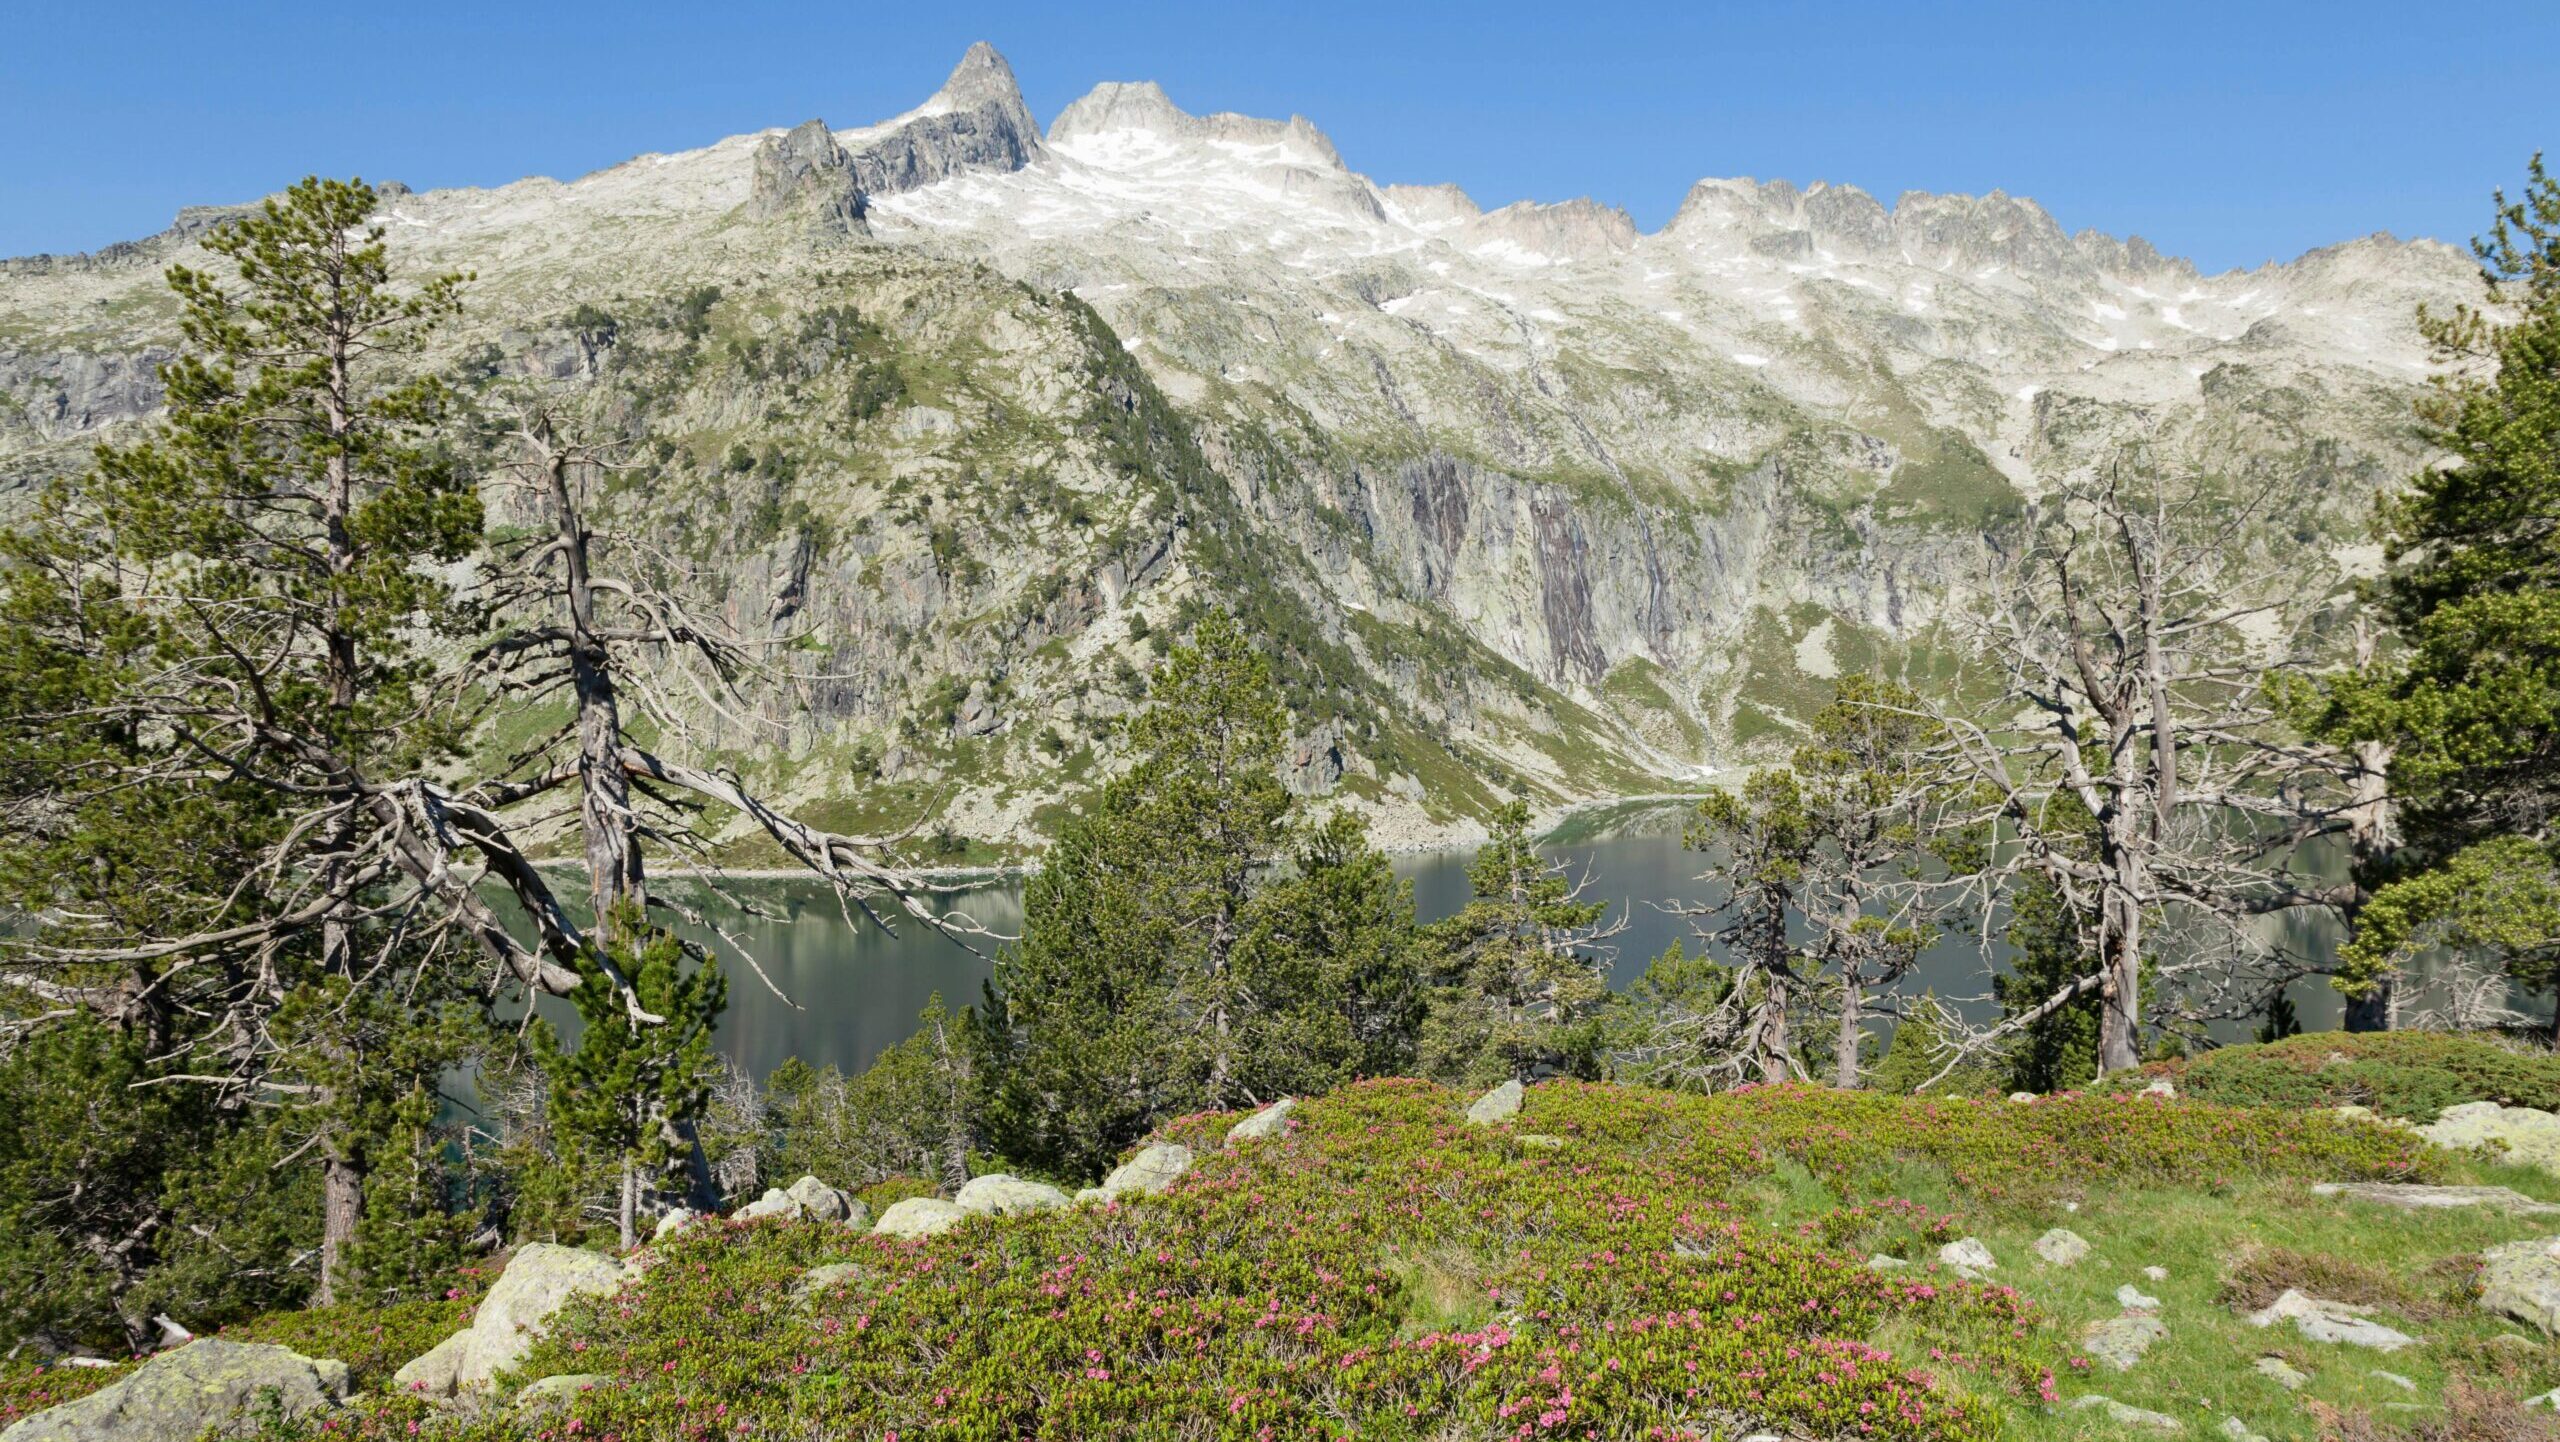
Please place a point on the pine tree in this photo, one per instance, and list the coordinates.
(2470, 707)
(624, 1094)
(1523, 987)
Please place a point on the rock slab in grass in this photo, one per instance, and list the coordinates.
(540, 1279)
(2127, 1415)
(2527, 1135)
(178, 1394)
(2395, 1379)
(2062, 1247)
(1498, 1105)
(917, 1217)
(2415, 1197)
(2239, 1431)
(1152, 1170)
(2283, 1373)
(1271, 1121)
(1968, 1254)
(2120, 1341)
(1000, 1194)
(2321, 1320)
(2522, 1280)
(2134, 1299)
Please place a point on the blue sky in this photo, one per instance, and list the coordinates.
(2232, 133)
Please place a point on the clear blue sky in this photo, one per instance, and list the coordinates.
(2231, 132)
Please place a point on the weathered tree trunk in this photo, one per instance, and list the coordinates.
(627, 1214)
(2120, 958)
(1844, 1050)
(341, 1212)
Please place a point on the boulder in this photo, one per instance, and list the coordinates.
(2325, 1321)
(182, 1392)
(1153, 1169)
(2281, 1372)
(2162, 1088)
(2239, 1431)
(2022, 1097)
(1271, 1121)
(2155, 1274)
(2415, 1197)
(540, 1279)
(2524, 1134)
(554, 1392)
(2522, 1280)
(1498, 1105)
(2120, 1341)
(1882, 1263)
(2062, 1247)
(2126, 1415)
(917, 1217)
(674, 1222)
(2134, 1299)
(1968, 1255)
(2395, 1379)
(809, 1199)
(1092, 1196)
(998, 1194)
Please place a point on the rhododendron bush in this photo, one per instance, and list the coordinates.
(1384, 1270)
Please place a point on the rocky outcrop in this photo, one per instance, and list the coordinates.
(540, 1279)
(2320, 1320)
(2062, 1247)
(2125, 1414)
(61, 394)
(2120, 1342)
(998, 1194)
(1148, 1172)
(806, 171)
(1968, 1257)
(2520, 1133)
(2419, 1197)
(179, 1394)
(1271, 1121)
(975, 122)
(809, 1199)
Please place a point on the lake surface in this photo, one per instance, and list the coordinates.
(852, 991)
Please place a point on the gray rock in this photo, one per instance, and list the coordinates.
(673, 1222)
(2127, 1415)
(2395, 1379)
(1271, 1121)
(1092, 1196)
(819, 1278)
(1153, 1169)
(2062, 1247)
(1882, 1263)
(1498, 1105)
(2548, 1401)
(1968, 1254)
(998, 1194)
(2411, 1196)
(2281, 1372)
(2522, 1280)
(2022, 1097)
(1539, 1141)
(548, 1393)
(2161, 1088)
(2326, 1321)
(2134, 1299)
(807, 171)
(809, 1199)
(2155, 1274)
(2239, 1431)
(976, 122)
(2520, 1133)
(2120, 1341)
(540, 1279)
(183, 1391)
(917, 1217)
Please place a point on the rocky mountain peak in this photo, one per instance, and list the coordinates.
(1563, 231)
(977, 121)
(981, 78)
(1142, 108)
(806, 169)
(1430, 207)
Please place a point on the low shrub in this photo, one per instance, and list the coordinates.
(1385, 1270)
(2410, 1074)
(27, 1388)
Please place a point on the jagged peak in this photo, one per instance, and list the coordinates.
(1564, 230)
(981, 77)
(1430, 207)
(1117, 106)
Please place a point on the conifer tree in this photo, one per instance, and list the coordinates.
(1523, 973)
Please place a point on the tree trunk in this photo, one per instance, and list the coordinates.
(2120, 1014)
(1844, 1051)
(628, 1213)
(2372, 1011)
(341, 1212)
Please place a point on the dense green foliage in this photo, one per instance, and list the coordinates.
(2413, 1075)
(1520, 992)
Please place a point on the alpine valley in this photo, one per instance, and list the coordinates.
(1521, 501)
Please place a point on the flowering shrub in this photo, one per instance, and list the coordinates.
(2412, 1074)
(1618, 1291)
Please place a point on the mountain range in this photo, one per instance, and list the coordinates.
(1522, 501)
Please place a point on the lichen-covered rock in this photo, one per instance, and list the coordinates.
(550, 1392)
(1268, 1122)
(2283, 1373)
(1968, 1254)
(1498, 1105)
(1153, 1169)
(2120, 1341)
(674, 1222)
(2417, 1197)
(2321, 1320)
(2125, 1414)
(820, 1278)
(2525, 1135)
(183, 1391)
(2239, 1431)
(917, 1217)
(809, 1199)
(2522, 1280)
(2134, 1299)
(540, 1279)
(2062, 1247)
(998, 1194)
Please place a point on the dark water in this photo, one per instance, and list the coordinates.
(853, 992)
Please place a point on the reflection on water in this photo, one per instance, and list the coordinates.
(854, 992)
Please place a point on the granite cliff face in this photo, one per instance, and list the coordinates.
(1526, 500)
